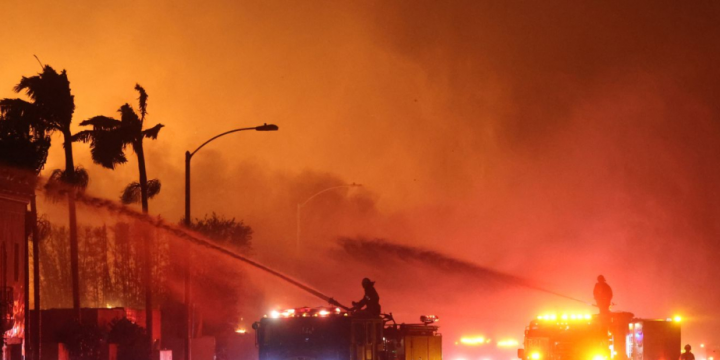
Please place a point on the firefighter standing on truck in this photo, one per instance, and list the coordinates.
(603, 295)
(371, 300)
(687, 355)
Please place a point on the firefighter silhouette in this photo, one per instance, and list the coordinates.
(687, 355)
(370, 301)
(603, 295)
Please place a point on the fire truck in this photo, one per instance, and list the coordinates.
(332, 333)
(617, 336)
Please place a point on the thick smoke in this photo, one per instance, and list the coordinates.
(555, 140)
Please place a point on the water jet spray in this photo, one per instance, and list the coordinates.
(195, 238)
(374, 249)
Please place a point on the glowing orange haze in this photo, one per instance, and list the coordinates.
(553, 140)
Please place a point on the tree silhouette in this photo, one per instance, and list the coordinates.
(24, 145)
(225, 231)
(24, 138)
(53, 105)
(109, 139)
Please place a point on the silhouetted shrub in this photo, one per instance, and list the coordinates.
(131, 339)
(83, 342)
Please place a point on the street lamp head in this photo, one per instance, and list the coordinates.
(267, 127)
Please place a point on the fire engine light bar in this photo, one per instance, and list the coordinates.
(564, 317)
(306, 312)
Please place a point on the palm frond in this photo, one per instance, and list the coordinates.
(82, 179)
(152, 133)
(50, 92)
(153, 188)
(58, 184)
(131, 193)
(107, 147)
(101, 122)
(142, 100)
(29, 85)
(18, 106)
(128, 115)
(82, 136)
(55, 187)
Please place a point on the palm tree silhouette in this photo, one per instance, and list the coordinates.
(108, 140)
(110, 137)
(53, 106)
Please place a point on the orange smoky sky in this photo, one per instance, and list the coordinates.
(551, 139)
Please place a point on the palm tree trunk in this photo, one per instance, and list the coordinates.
(35, 326)
(74, 267)
(148, 243)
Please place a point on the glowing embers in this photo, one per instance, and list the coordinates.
(564, 317)
(306, 312)
(474, 341)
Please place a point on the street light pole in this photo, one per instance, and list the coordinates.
(300, 205)
(186, 275)
(188, 157)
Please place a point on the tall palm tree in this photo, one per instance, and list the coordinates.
(109, 139)
(53, 104)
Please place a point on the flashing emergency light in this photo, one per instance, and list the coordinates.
(324, 313)
(240, 331)
(274, 314)
(507, 343)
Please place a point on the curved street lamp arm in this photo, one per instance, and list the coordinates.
(217, 136)
(326, 190)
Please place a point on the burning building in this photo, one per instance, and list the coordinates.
(16, 191)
